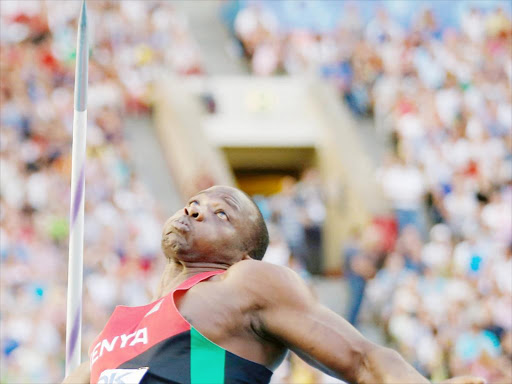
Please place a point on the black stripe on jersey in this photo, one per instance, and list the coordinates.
(169, 363)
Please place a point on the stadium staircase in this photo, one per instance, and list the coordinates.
(149, 162)
(215, 43)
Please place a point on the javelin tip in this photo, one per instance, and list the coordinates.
(82, 59)
(83, 16)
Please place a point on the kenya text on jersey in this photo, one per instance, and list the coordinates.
(118, 342)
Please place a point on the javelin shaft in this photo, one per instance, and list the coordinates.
(76, 224)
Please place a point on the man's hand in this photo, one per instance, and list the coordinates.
(464, 380)
(82, 375)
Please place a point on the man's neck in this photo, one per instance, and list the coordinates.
(176, 272)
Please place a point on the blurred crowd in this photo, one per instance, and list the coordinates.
(295, 218)
(122, 221)
(437, 277)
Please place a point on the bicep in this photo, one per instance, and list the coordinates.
(285, 311)
(318, 335)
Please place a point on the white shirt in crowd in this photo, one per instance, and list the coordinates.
(403, 186)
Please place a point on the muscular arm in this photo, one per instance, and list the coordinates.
(82, 375)
(291, 315)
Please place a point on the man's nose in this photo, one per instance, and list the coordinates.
(194, 211)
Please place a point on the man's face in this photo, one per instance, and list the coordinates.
(214, 226)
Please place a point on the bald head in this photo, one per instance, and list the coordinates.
(256, 237)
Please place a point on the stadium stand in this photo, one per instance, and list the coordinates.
(123, 222)
(433, 277)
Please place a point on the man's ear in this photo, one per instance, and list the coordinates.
(246, 257)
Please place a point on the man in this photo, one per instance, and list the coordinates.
(223, 316)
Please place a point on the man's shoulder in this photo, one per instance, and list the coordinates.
(247, 269)
(265, 280)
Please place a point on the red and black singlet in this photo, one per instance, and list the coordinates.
(157, 341)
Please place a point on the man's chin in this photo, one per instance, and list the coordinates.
(184, 256)
(173, 245)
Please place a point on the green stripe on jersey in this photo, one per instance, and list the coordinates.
(206, 360)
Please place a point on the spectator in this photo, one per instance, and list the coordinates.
(288, 215)
(360, 258)
(403, 184)
(311, 196)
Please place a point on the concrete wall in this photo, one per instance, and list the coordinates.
(194, 162)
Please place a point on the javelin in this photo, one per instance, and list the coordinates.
(76, 216)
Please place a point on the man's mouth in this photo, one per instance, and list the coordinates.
(179, 226)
